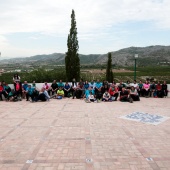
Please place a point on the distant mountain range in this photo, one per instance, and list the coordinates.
(151, 55)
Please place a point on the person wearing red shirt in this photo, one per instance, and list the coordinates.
(47, 87)
(1, 90)
(113, 92)
(159, 90)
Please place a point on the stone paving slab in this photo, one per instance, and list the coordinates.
(70, 134)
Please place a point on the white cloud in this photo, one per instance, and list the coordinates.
(94, 17)
(3, 40)
(53, 16)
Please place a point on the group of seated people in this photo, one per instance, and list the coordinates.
(148, 89)
(90, 91)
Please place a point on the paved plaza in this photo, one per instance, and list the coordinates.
(70, 134)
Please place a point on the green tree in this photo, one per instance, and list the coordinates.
(72, 61)
(109, 73)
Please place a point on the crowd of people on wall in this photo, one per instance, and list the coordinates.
(89, 91)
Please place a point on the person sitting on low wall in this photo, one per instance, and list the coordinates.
(98, 88)
(54, 87)
(140, 89)
(7, 91)
(60, 84)
(134, 94)
(24, 89)
(159, 90)
(165, 89)
(146, 87)
(153, 89)
(1, 90)
(47, 87)
(67, 90)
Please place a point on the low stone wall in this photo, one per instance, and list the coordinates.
(39, 86)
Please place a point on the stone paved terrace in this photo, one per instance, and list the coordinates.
(70, 134)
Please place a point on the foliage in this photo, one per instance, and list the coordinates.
(39, 76)
(109, 73)
(72, 61)
(157, 73)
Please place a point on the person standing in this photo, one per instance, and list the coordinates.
(17, 82)
(73, 87)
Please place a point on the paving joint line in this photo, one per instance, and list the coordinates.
(142, 150)
(38, 147)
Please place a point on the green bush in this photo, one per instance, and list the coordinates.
(39, 76)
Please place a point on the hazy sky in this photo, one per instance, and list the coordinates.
(31, 27)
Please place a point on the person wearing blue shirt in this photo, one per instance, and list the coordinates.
(24, 88)
(30, 92)
(61, 84)
(86, 85)
(98, 87)
(92, 84)
(7, 90)
(67, 90)
(88, 91)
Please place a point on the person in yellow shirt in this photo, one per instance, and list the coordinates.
(60, 93)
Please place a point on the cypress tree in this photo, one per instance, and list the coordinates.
(72, 61)
(109, 73)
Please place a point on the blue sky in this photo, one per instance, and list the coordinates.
(41, 26)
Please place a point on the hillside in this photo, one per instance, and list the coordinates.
(152, 55)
